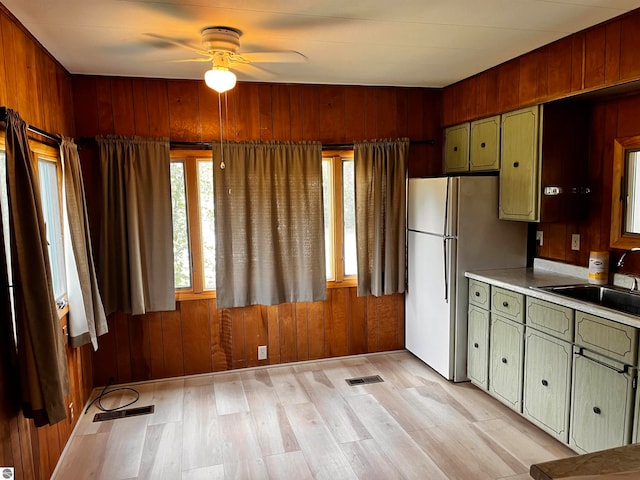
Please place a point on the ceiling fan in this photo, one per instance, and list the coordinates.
(220, 46)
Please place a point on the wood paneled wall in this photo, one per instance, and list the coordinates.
(594, 59)
(37, 87)
(599, 57)
(197, 337)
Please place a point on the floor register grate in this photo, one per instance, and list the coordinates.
(129, 412)
(364, 380)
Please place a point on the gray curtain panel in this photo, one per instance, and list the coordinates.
(136, 235)
(42, 359)
(269, 222)
(87, 319)
(380, 171)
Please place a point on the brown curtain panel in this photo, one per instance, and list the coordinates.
(87, 319)
(42, 358)
(136, 235)
(269, 222)
(380, 175)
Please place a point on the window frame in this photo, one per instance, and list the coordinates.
(336, 159)
(190, 159)
(50, 153)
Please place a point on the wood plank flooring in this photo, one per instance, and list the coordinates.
(302, 421)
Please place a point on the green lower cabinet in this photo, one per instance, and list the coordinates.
(601, 404)
(505, 361)
(547, 383)
(478, 347)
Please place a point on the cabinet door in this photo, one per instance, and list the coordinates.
(505, 361)
(520, 169)
(601, 406)
(484, 152)
(478, 346)
(547, 383)
(456, 148)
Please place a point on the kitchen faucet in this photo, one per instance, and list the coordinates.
(621, 261)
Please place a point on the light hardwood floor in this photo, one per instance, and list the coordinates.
(302, 421)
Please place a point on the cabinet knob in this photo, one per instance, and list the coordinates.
(505, 304)
(516, 164)
(504, 360)
(482, 145)
(477, 294)
(545, 383)
(475, 345)
(455, 149)
(597, 410)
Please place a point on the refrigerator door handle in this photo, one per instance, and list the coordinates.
(446, 270)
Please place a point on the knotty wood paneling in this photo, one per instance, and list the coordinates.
(199, 338)
(39, 89)
(629, 41)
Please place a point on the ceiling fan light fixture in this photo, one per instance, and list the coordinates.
(220, 79)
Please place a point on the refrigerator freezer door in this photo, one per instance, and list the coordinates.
(429, 327)
(427, 205)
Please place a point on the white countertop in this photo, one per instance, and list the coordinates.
(546, 273)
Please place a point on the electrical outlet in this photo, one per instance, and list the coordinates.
(262, 352)
(539, 238)
(575, 241)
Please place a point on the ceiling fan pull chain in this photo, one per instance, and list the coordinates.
(222, 164)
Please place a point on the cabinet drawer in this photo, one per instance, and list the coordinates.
(611, 339)
(479, 293)
(550, 318)
(507, 303)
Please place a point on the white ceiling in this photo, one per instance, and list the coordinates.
(429, 43)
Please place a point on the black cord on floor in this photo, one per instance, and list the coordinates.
(104, 393)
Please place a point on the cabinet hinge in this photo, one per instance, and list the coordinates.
(634, 384)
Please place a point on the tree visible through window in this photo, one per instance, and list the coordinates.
(193, 221)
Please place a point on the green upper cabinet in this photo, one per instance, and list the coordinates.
(520, 170)
(456, 148)
(543, 174)
(484, 154)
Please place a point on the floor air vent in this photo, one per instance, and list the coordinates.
(129, 412)
(364, 380)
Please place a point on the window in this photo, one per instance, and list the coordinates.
(338, 182)
(50, 182)
(193, 222)
(52, 213)
(194, 240)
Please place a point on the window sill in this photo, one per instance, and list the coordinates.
(183, 295)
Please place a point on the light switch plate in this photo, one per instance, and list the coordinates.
(262, 352)
(575, 241)
(539, 237)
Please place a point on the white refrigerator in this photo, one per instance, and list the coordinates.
(453, 227)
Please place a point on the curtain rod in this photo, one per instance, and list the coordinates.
(31, 128)
(328, 146)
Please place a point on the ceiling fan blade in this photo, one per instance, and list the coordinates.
(178, 42)
(279, 56)
(197, 59)
(252, 71)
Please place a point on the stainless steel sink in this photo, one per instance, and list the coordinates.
(608, 296)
